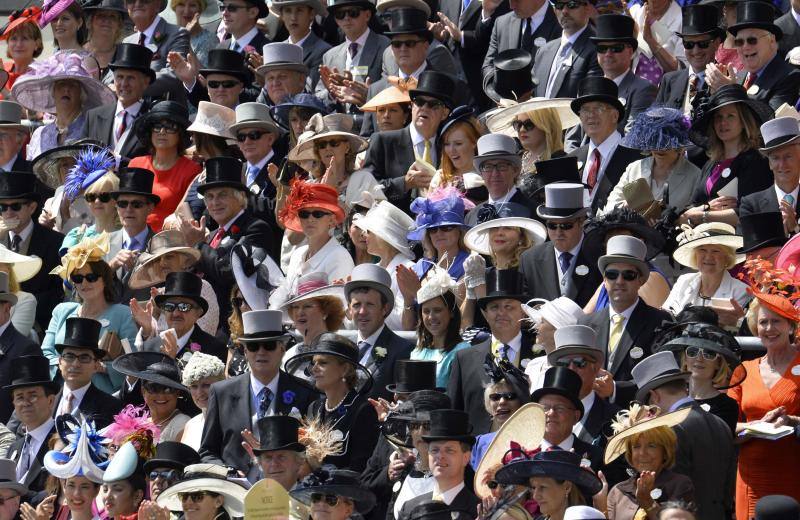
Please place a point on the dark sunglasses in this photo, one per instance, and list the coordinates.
(615, 48)
(170, 128)
(331, 500)
(353, 12)
(508, 396)
(79, 278)
(432, 103)
(702, 44)
(627, 275)
(255, 135)
(269, 346)
(563, 226)
(566, 362)
(228, 83)
(181, 306)
(443, 229)
(321, 144)
(519, 125)
(102, 197)
(750, 40)
(572, 4)
(169, 475)
(136, 204)
(317, 213)
(194, 496)
(399, 44)
(232, 8)
(693, 352)
(14, 206)
(155, 388)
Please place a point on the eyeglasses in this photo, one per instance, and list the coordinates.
(168, 475)
(78, 279)
(750, 40)
(702, 44)
(443, 229)
(155, 388)
(169, 128)
(508, 396)
(172, 306)
(193, 496)
(399, 44)
(92, 197)
(432, 103)
(331, 500)
(14, 206)
(499, 167)
(615, 48)
(232, 8)
(518, 125)
(136, 204)
(588, 111)
(228, 83)
(255, 346)
(693, 352)
(353, 12)
(317, 213)
(572, 4)
(559, 409)
(322, 144)
(563, 226)
(255, 135)
(577, 361)
(3, 500)
(628, 275)
(83, 359)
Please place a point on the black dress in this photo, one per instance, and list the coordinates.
(724, 407)
(750, 167)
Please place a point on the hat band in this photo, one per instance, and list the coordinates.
(307, 287)
(562, 212)
(706, 234)
(264, 334)
(780, 140)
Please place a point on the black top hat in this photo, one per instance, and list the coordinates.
(757, 15)
(437, 85)
(173, 455)
(761, 230)
(726, 95)
(117, 6)
(502, 284)
(557, 169)
(226, 61)
(263, 10)
(82, 333)
(407, 20)
(777, 507)
(136, 181)
(278, 432)
(557, 464)
(701, 19)
(162, 111)
(512, 73)
(133, 56)
(411, 375)
(561, 381)
(339, 482)
(31, 371)
(18, 185)
(223, 172)
(416, 409)
(161, 370)
(366, 4)
(332, 344)
(598, 88)
(449, 425)
(616, 28)
(185, 285)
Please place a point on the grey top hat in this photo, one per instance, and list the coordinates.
(372, 276)
(259, 326)
(654, 371)
(562, 201)
(779, 131)
(282, 56)
(11, 116)
(8, 477)
(627, 250)
(317, 5)
(6, 296)
(497, 146)
(254, 115)
(576, 339)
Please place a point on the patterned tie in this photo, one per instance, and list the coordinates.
(123, 125)
(16, 240)
(264, 400)
(215, 241)
(565, 260)
(616, 331)
(363, 348)
(788, 199)
(594, 169)
(353, 50)
(749, 80)
(24, 458)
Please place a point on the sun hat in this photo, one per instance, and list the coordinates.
(724, 96)
(213, 119)
(561, 381)
(583, 513)
(51, 9)
(755, 15)
(278, 432)
(136, 181)
(395, 93)
(625, 249)
(556, 464)
(436, 283)
(370, 276)
(85, 452)
(205, 477)
(91, 161)
(88, 250)
(477, 238)
(635, 421)
(332, 344)
(658, 129)
(559, 312)
(160, 370)
(24, 267)
(309, 195)
(11, 116)
(282, 56)
(576, 340)
(201, 366)
(254, 115)
(31, 371)
(563, 201)
(501, 121)
(161, 244)
(331, 481)
(390, 224)
(81, 333)
(209, 15)
(256, 274)
(773, 287)
(789, 254)
(19, 17)
(318, 6)
(598, 88)
(765, 230)
(171, 454)
(710, 233)
(417, 408)
(656, 370)
(436, 510)
(261, 326)
(321, 127)
(280, 112)
(314, 285)
(182, 284)
(444, 206)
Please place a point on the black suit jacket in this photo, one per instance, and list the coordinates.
(779, 83)
(620, 160)
(518, 198)
(209, 344)
(37, 476)
(791, 33)
(580, 63)
(598, 417)
(762, 201)
(673, 88)
(230, 412)
(465, 502)
(12, 345)
(638, 95)
(257, 43)
(396, 349)
(538, 265)
(750, 167)
(375, 477)
(389, 156)
(639, 332)
(96, 406)
(100, 127)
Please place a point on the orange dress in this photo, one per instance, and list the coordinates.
(766, 467)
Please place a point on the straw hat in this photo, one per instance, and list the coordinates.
(391, 95)
(213, 119)
(390, 224)
(24, 267)
(500, 122)
(205, 477)
(477, 238)
(161, 244)
(325, 127)
(616, 444)
(711, 233)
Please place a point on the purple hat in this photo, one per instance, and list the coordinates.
(443, 207)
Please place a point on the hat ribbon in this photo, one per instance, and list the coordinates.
(690, 234)
(312, 285)
(517, 452)
(60, 64)
(316, 124)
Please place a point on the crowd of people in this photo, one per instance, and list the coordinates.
(404, 260)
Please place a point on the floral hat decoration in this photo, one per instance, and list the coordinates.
(436, 283)
(307, 195)
(775, 288)
(85, 453)
(444, 206)
(658, 129)
(90, 249)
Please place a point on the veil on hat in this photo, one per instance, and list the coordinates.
(86, 452)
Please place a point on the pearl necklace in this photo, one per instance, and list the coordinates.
(335, 407)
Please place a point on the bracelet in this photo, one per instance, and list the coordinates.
(705, 216)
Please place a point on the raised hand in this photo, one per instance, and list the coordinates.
(185, 69)
(169, 345)
(450, 27)
(193, 231)
(143, 316)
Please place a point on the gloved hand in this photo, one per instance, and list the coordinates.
(474, 274)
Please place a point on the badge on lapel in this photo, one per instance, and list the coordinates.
(636, 353)
(581, 270)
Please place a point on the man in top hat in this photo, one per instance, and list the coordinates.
(12, 344)
(449, 449)
(512, 77)
(560, 266)
(563, 62)
(625, 330)
(502, 309)
(297, 16)
(167, 465)
(603, 159)
(33, 396)
(226, 201)
(705, 450)
(280, 455)
(782, 148)
(182, 305)
(499, 163)
(768, 77)
(19, 202)
(242, 33)
(155, 33)
(13, 136)
(112, 125)
(228, 81)
(391, 155)
(79, 360)
(284, 73)
(370, 300)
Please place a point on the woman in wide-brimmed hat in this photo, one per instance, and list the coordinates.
(392, 105)
(207, 490)
(295, 113)
(20, 268)
(66, 19)
(334, 494)
(345, 383)
(727, 125)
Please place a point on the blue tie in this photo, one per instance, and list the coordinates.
(264, 400)
(363, 348)
(565, 259)
(252, 173)
(132, 245)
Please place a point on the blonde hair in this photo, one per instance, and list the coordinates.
(13, 284)
(720, 377)
(751, 134)
(663, 436)
(548, 121)
(430, 252)
(472, 128)
(752, 318)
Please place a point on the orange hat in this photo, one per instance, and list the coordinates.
(309, 195)
(775, 288)
(17, 18)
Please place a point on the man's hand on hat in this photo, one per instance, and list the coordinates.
(717, 75)
(149, 510)
(604, 384)
(185, 69)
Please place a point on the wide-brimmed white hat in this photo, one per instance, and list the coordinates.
(561, 312)
(477, 238)
(213, 119)
(436, 283)
(24, 267)
(325, 127)
(710, 233)
(390, 224)
(205, 477)
(500, 122)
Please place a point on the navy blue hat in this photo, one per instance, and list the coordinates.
(658, 129)
(308, 101)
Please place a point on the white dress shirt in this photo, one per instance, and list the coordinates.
(245, 40)
(149, 32)
(514, 346)
(565, 445)
(449, 495)
(25, 234)
(77, 398)
(352, 61)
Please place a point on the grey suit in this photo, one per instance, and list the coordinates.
(761, 202)
(314, 48)
(170, 38)
(579, 63)
(123, 274)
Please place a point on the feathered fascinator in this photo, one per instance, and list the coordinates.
(85, 455)
(658, 129)
(309, 195)
(92, 163)
(133, 424)
(320, 441)
(775, 288)
(501, 370)
(90, 249)
(436, 283)
(444, 206)
(634, 415)
(18, 17)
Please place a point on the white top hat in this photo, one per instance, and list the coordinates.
(562, 201)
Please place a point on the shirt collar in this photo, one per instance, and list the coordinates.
(246, 37)
(9, 166)
(538, 17)
(795, 15)
(132, 110)
(320, 256)
(302, 40)
(587, 402)
(680, 402)
(40, 432)
(780, 193)
(361, 40)
(141, 238)
(414, 74)
(619, 78)
(25, 233)
(572, 38)
(565, 445)
(416, 137)
(607, 146)
(256, 385)
(373, 337)
(449, 495)
(263, 162)
(77, 394)
(183, 340)
(626, 313)
(504, 198)
(515, 344)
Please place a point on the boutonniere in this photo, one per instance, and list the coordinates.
(194, 347)
(158, 37)
(234, 229)
(379, 355)
(288, 397)
(249, 48)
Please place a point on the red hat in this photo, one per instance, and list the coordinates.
(308, 195)
(17, 18)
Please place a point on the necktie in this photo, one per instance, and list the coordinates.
(565, 259)
(264, 400)
(142, 38)
(353, 50)
(691, 93)
(426, 154)
(618, 321)
(236, 47)
(363, 348)
(133, 245)
(217, 238)
(749, 80)
(252, 173)
(557, 64)
(594, 169)
(24, 458)
(122, 125)
(788, 199)
(504, 352)
(527, 36)
(465, 5)
(67, 407)
(437, 497)
(16, 240)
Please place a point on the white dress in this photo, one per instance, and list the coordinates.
(193, 431)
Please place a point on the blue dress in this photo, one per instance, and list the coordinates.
(482, 443)
(456, 269)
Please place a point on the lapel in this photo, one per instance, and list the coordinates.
(633, 328)
(625, 85)
(370, 50)
(515, 31)
(281, 406)
(473, 7)
(165, 33)
(599, 322)
(36, 464)
(768, 78)
(577, 280)
(309, 45)
(8, 342)
(105, 122)
(544, 63)
(525, 350)
(549, 271)
(566, 66)
(240, 404)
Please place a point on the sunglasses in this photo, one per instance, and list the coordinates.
(135, 204)
(317, 213)
(353, 12)
(750, 40)
(693, 352)
(78, 279)
(230, 8)
(399, 44)
(155, 388)
(181, 306)
(331, 500)
(518, 125)
(255, 135)
(92, 197)
(322, 144)
(627, 275)
(563, 226)
(269, 346)
(228, 83)
(14, 206)
(508, 396)
(169, 475)
(572, 4)
(702, 44)
(194, 496)
(566, 362)
(443, 229)
(432, 103)
(616, 48)
(169, 128)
